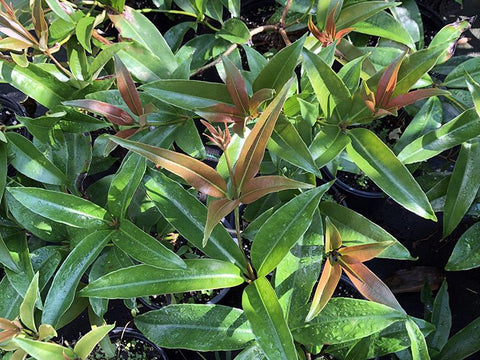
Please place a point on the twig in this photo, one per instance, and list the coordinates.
(281, 25)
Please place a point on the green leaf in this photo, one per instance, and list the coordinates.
(188, 139)
(45, 261)
(441, 318)
(43, 350)
(6, 258)
(36, 83)
(103, 57)
(350, 73)
(34, 222)
(188, 216)
(87, 342)
(271, 331)
(385, 26)
(196, 327)
(466, 254)
(62, 291)
(143, 247)
(356, 229)
(474, 88)
(125, 183)
(280, 68)
(345, 319)
(283, 229)
(448, 36)
(17, 244)
(287, 143)
(235, 31)
(62, 208)
(328, 86)
(357, 12)
(188, 94)
(463, 344)
(10, 300)
(329, 142)
(464, 182)
(456, 78)
(428, 118)
(145, 280)
(28, 160)
(417, 340)
(133, 25)
(3, 167)
(83, 31)
(252, 352)
(381, 165)
(464, 127)
(27, 307)
(299, 270)
(54, 5)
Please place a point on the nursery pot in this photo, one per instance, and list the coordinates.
(8, 110)
(152, 306)
(349, 189)
(134, 338)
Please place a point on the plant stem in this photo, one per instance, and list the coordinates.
(251, 273)
(176, 12)
(13, 127)
(68, 73)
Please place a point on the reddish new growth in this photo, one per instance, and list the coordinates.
(218, 137)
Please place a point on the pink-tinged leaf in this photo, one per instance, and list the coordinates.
(127, 88)
(330, 23)
(340, 34)
(14, 44)
(217, 210)
(39, 23)
(258, 187)
(6, 335)
(413, 96)
(10, 26)
(325, 288)
(387, 82)
(368, 97)
(199, 175)
(6, 324)
(314, 30)
(221, 113)
(113, 114)
(125, 134)
(236, 86)
(253, 149)
(364, 252)
(258, 99)
(371, 286)
(333, 240)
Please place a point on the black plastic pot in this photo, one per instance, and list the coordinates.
(351, 190)
(120, 333)
(215, 300)
(8, 109)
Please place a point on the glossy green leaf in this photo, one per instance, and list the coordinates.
(83, 32)
(35, 82)
(28, 160)
(235, 31)
(196, 327)
(345, 319)
(417, 340)
(6, 258)
(252, 352)
(87, 342)
(463, 344)
(125, 183)
(456, 78)
(266, 317)
(10, 300)
(448, 36)
(27, 307)
(62, 291)
(464, 127)
(385, 26)
(34, 222)
(193, 171)
(145, 248)
(144, 280)
(286, 143)
(103, 57)
(3, 167)
(188, 94)
(360, 11)
(441, 318)
(328, 144)
(474, 88)
(428, 118)
(45, 261)
(256, 61)
(381, 165)
(464, 182)
(17, 244)
(299, 270)
(134, 25)
(283, 229)
(188, 139)
(62, 208)
(142, 63)
(328, 86)
(350, 73)
(43, 350)
(466, 254)
(280, 68)
(188, 216)
(59, 10)
(356, 229)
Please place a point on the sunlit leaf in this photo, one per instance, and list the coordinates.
(113, 113)
(127, 88)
